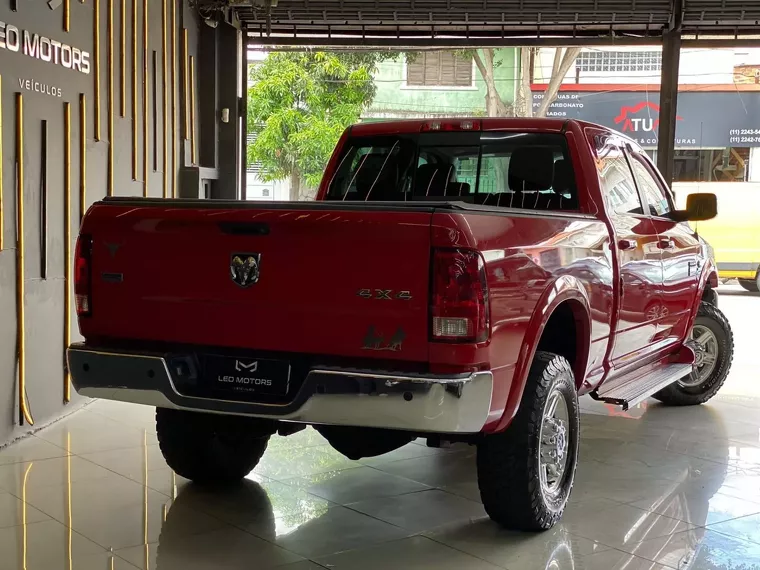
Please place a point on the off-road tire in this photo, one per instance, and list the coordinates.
(210, 449)
(751, 285)
(679, 395)
(509, 462)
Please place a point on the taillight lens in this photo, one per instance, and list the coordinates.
(459, 311)
(83, 275)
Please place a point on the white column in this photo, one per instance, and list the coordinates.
(754, 165)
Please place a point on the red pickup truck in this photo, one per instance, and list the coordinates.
(458, 280)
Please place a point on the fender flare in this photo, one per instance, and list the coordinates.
(709, 276)
(563, 289)
(709, 273)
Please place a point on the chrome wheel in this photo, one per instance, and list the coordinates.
(705, 345)
(554, 444)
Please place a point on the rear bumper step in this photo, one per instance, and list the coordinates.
(361, 398)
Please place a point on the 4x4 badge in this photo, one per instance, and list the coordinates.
(245, 268)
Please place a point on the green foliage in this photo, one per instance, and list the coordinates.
(300, 103)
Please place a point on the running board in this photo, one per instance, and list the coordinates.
(627, 392)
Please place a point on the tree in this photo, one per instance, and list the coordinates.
(523, 106)
(299, 104)
(563, 60)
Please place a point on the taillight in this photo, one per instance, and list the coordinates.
(83, 275)
(460, 311)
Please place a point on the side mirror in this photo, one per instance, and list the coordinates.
(699, 207)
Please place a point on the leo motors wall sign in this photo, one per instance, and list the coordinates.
(45, 49)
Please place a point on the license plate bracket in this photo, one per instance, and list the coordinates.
(247, 375)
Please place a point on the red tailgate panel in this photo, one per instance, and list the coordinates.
(315, 267)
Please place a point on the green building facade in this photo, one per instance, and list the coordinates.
(440, 84)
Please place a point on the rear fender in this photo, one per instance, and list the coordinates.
(565, 289)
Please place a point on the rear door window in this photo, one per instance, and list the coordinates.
(502, 169)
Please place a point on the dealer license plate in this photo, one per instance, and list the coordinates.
(252, 375)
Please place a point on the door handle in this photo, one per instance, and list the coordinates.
(627, 244)
(666, 243)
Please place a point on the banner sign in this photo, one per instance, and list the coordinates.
(705, 119)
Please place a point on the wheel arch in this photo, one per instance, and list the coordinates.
(708, 282)
(563, 302)
(710, 295)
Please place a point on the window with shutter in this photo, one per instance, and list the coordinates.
(439, 69)
(433, 68)
(415, 72)
(463, 72)
(447, 68)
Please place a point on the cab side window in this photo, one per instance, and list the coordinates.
(656, 198)
(618, 185)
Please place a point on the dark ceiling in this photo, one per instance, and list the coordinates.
(397, 23)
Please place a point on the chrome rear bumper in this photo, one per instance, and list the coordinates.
(439, 404)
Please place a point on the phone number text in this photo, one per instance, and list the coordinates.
(744, 139)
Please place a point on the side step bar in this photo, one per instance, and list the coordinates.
(628, 392)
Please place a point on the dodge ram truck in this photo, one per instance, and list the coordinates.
(459, 280)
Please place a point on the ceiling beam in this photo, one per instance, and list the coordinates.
(402, 44)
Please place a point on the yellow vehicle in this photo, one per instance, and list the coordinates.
(735, 233)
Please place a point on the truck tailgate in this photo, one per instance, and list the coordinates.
(332, 281)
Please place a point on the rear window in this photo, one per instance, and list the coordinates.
(507, 169)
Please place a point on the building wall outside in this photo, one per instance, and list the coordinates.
(255, 188)
(396, 99)
(725, 80)
(683, 189)
(46, 88)
(258, 190)
(698, 66)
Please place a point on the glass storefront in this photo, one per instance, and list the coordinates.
(730, 164)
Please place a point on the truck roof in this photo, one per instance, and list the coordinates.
(534, 124)
(487, 124)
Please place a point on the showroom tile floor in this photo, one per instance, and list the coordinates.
(657, 488)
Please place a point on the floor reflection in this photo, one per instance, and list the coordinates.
(673, 488)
